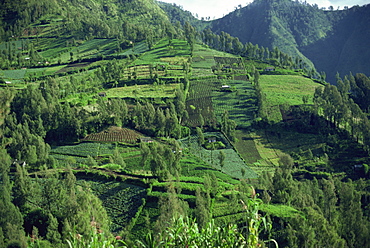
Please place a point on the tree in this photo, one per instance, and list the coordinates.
(11, 220)
(200, 136)
(201, 120)
(305, 99)
(21, 188)
(91, 161)
(145, 152)
(202, 208)
(170, 207)
(286, 160)
(214, 184)
(228, 126)
(118, 159)
(53, 234)
(189, 34)
(323, 76)
(222, 157)
(256, 76)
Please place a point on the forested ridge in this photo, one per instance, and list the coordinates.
(133, 124)
(306, 31)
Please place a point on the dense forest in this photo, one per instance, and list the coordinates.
(134, 124)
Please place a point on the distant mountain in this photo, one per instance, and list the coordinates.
(335, 41)
(177, 14)
(346, 48)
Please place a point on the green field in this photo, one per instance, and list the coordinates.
(85, 149)
(61, 49)
(138, 48)
(269, 155)
(282, 91)
(287, 89)
(76, 155)
(143, 91)
(203, 60)
(246, 147)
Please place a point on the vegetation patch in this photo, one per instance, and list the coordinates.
(143, 91)
(232, 165)
(269, 155)
(85, 149)
(121, 200)
(240, 102)
(281, 211)
(115, 134)
(199, 102)
(246, 147)
(165, 48)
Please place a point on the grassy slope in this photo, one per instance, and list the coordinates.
(285, 90)
(143, 91)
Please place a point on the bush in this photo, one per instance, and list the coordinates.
(115, 167)
(215, 145)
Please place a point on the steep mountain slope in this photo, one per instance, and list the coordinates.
(275, 24)
(304, 31)
(345, 49)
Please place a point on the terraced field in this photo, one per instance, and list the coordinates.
(233, 164)
(200, 101)
(241, 103)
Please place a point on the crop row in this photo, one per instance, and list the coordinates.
(241, 104)
(115, 135)
(203, 88)
(241, 77)
(225, 208)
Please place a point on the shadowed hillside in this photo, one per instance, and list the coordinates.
(332, 40)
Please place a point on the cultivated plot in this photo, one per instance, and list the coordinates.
(233, 164)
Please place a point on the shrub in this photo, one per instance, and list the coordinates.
(115, 167)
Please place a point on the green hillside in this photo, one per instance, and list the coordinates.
(82, 19)
(122, 125)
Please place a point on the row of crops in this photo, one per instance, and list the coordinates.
(121, 200)
(115, 134)
(138, 48)
(208, 99)
(233, 165)
(241, 103)
(200, 100)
